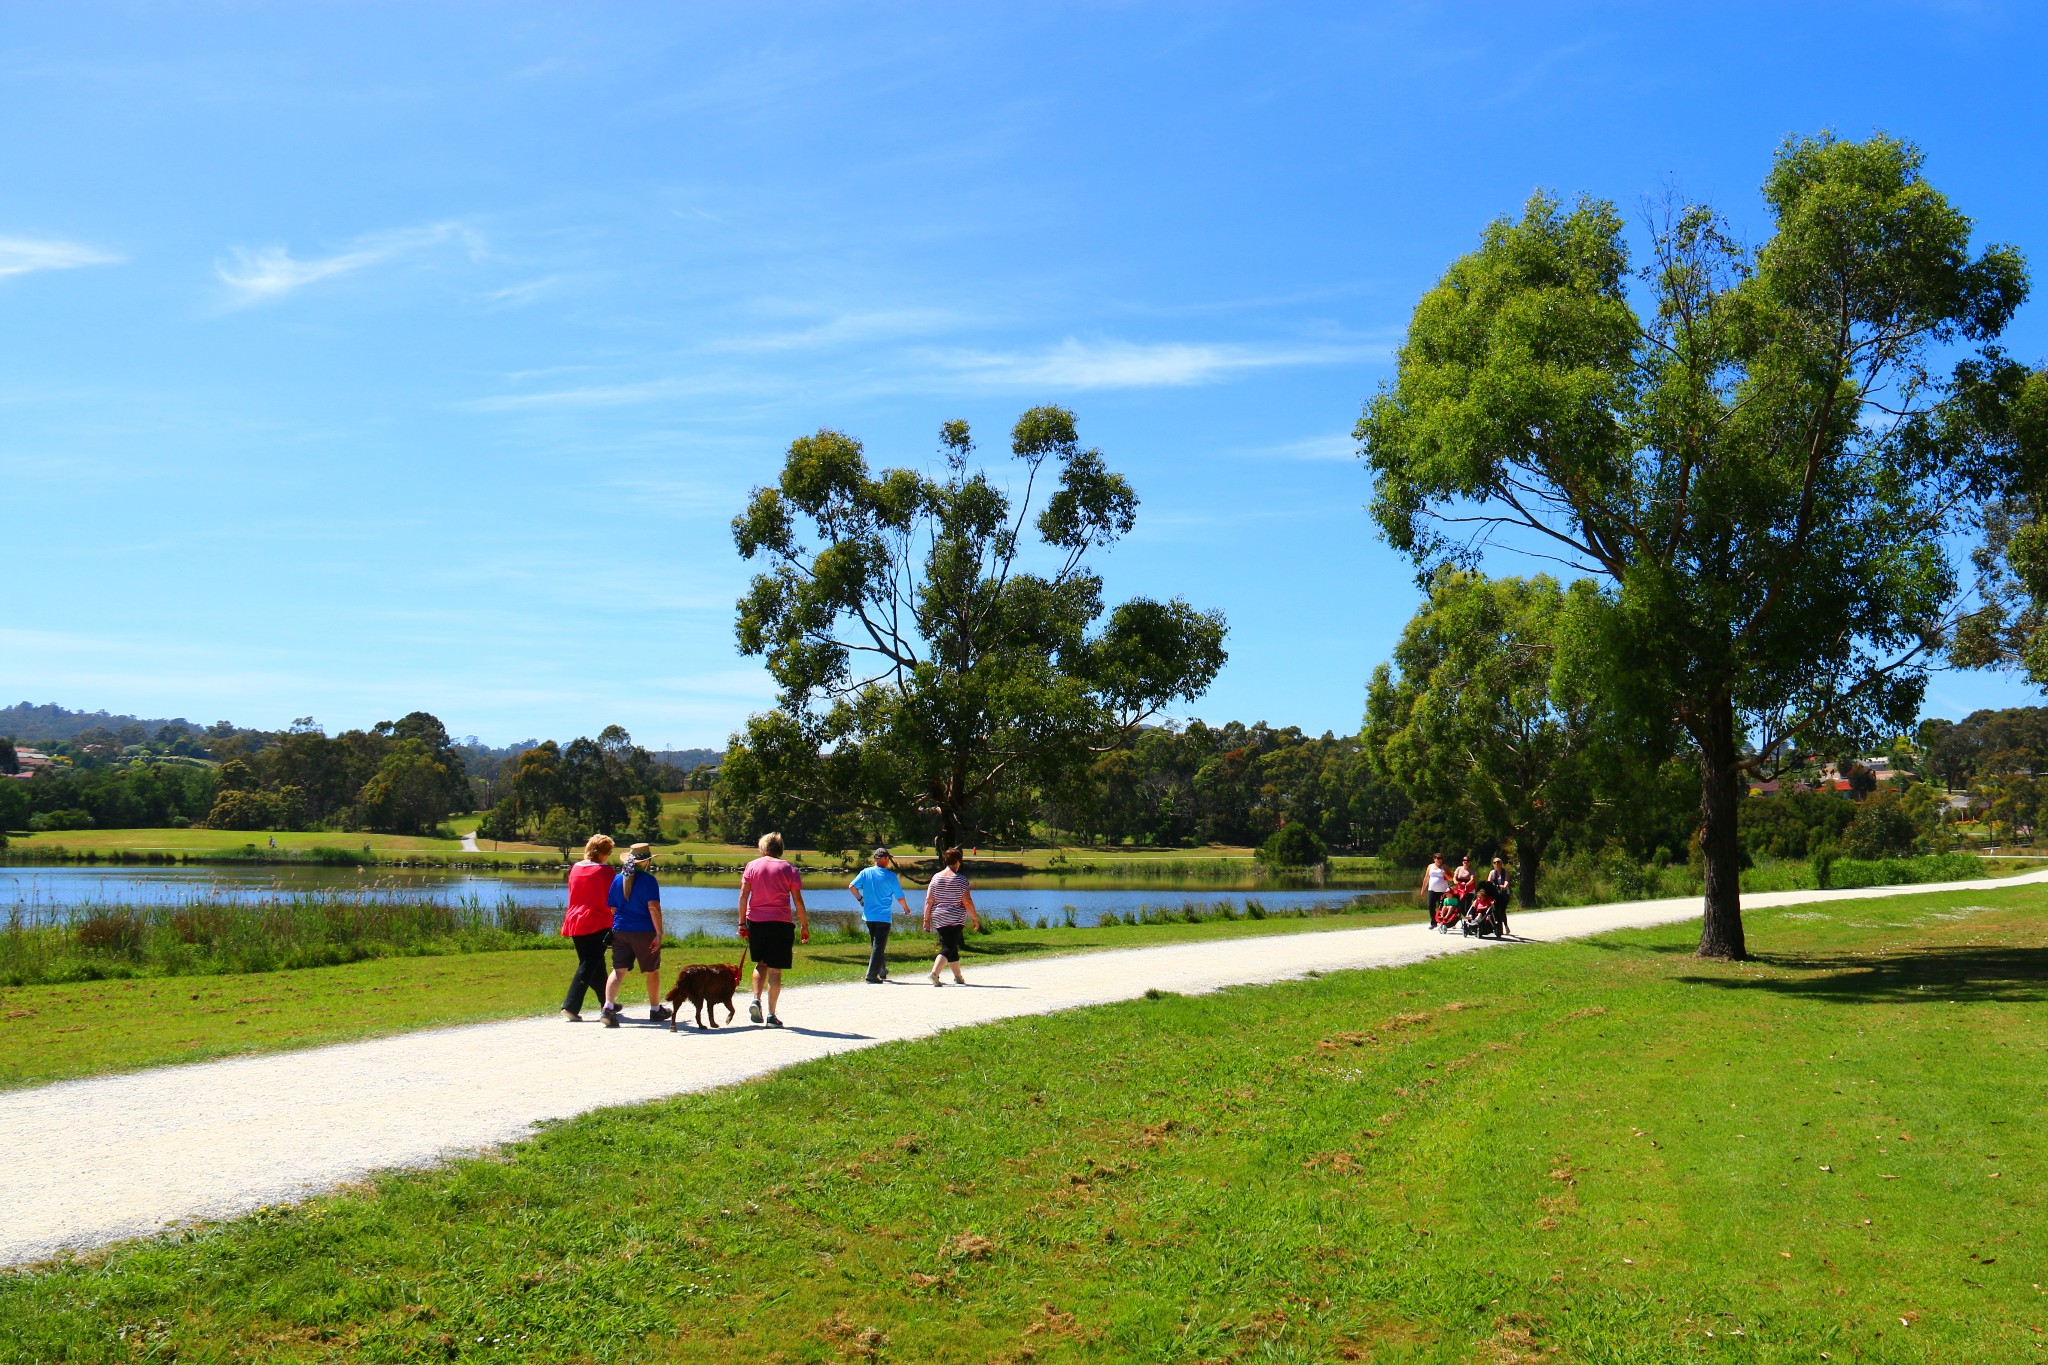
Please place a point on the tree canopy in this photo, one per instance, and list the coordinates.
(1760, 466)
(1492, 710)
(918, 638)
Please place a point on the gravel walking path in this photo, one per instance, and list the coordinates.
(216, 1139)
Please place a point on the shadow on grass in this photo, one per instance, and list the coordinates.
(1614, 943)
(1005, 947)
(1965, 973)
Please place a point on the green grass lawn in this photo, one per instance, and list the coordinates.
(54, 1032)
(1604, 1151)
(202, 841)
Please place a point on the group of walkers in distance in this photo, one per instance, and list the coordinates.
(620, 909)
(1459, 899)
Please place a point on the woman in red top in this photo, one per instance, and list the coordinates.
(588, 924)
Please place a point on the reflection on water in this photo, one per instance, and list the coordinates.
(43, 893)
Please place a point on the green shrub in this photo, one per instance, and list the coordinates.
(1882, 829)
(59, 820)
(1293, 845)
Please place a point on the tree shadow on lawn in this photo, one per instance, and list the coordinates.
(1966, 973)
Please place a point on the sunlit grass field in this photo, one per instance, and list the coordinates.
(1603, 1151)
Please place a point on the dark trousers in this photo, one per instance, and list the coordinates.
(878, 948)
(590, 970)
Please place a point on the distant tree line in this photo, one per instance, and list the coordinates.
(1986, 743)
(558, 794)
(1170, 785)
(397, 777)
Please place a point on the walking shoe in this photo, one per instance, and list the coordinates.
(658, 1015)
(611, 1016)
(773, 1022)
(754, 1011)
(572, 1016)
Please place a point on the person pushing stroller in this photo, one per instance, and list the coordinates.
(1487, 913)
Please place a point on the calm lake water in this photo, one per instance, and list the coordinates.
(57, 892)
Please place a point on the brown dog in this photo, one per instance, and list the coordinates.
(706, 984)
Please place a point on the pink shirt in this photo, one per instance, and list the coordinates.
(769, 882)
(590, 910)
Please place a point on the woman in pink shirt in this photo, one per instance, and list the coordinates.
(771, 917)
(588, 924)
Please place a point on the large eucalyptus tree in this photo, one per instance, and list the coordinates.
(1486, 706)
(1761, 454)
(921, 642)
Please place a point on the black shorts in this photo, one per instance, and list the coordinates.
(773, 941)
(631, 947)
(952, 937)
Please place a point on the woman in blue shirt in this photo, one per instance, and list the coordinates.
(636, 933)
(879, 891)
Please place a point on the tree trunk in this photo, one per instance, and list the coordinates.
(952, 819)
(1721, 925)
(1530, 855)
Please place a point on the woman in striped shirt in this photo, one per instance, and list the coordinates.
(948, 906)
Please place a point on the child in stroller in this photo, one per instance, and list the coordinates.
(1449, 911)
(1487, 915)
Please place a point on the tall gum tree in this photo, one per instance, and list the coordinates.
(928, 649)
(1488, 704)
(1763, 467)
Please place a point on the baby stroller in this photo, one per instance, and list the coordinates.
(1486, 917)
(1449, 911)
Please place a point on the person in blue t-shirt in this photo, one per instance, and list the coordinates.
(879, 891)
(636, 933)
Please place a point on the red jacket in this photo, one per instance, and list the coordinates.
(590, 909)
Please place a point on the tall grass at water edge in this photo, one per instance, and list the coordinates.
(203, 936)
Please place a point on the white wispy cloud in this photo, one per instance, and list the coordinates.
(26, 255)
(1335, 446)
(586, 396)
(842, 329)
(514, 295)
(272, 272)
(1076, 364)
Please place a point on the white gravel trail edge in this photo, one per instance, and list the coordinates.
(84, 1163)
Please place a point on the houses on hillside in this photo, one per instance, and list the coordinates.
(1863, 774)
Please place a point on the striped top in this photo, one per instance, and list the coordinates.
(942, 899)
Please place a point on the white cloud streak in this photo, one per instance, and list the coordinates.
(589, 396)
(26, 255)
(1075, 364)
(1071, 365)
(268, 273)
(1312, 449)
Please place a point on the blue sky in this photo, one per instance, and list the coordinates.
(355, 359)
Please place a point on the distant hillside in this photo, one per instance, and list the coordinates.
(49, 723)
(45, 723)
